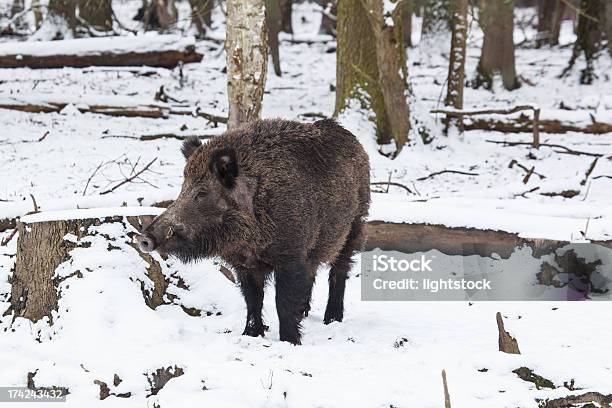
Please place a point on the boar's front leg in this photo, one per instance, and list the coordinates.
(293, 288)
(252, 286)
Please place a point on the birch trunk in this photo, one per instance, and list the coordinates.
(456, 66)
(246, 50)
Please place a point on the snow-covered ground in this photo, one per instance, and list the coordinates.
(384, 354)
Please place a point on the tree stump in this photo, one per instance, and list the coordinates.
(45, 241)
(507, 343)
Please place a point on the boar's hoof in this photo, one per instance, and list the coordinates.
(333, 315)
(255, 330)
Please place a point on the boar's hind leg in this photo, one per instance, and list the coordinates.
(293, 286)
(334, 312)
(252, 287)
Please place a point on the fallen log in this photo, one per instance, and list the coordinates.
(45, 242)
(166, 51)
(589, 398)
(535, 122)
(524, 124)
(143, 111)
(410, 238)
(104, 105)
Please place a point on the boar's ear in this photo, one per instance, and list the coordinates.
(190, 145)
(225, 166)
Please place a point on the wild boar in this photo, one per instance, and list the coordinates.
(273, 196)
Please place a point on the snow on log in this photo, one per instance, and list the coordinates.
(165, 51)
(550, 120)
(55, 246)
(111, 105)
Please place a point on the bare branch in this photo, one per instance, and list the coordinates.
(390, 183)
(437, 173)
(130, 179)
(558, 146)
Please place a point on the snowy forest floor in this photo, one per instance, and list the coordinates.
(384, 354)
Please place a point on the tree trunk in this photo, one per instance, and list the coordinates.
(329, 17)
(456, 66)
(286, 8)
(550, 15)
(497, 54)
(60, 22)
(38, 14)
(608, 25)
(201, 15)
(273, 23)
(392, 70)
(406, 10)
(246, 50)
(43, 245)
(436, 19)
(96, 15)
(371, 68)
(558, 18)
(435, 29)
(17, 7)
(160, 15)
(546, 11)
(589, 37)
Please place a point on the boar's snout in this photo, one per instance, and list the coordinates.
(146, 242)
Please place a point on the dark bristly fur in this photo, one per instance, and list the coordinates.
(273, 196)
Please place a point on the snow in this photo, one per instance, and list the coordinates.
(384, 353)
(95, 46)
(90, 213)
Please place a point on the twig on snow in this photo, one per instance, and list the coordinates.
(589, 171)
(437, 173)
(558, 146)
(130, 179)
(391, 183)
